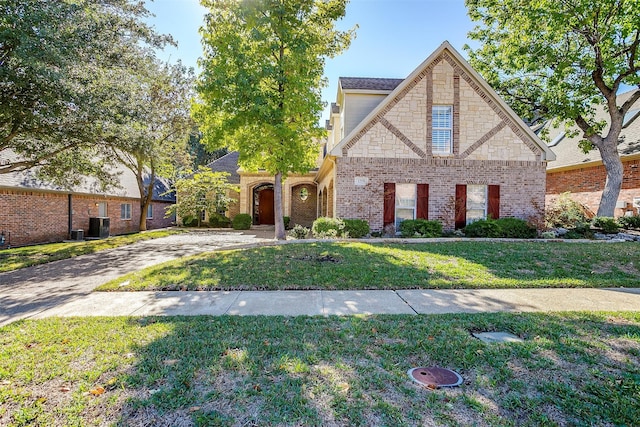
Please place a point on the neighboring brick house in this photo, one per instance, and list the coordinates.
(583, 175)
(32, 211)
(440, 145)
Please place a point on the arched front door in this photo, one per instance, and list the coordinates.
(263, 211)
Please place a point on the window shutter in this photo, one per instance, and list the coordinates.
(389, 210)
(493, 204)
(461, 206)
(422, 210)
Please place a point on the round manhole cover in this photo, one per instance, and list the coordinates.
(435, 377)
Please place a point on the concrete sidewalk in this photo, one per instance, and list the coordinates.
(324, 303)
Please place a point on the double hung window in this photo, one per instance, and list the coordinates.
(442, 131)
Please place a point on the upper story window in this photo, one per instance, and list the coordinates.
(442, 132)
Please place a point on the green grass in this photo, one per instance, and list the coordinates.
(571, 369)
(26, 256)
(331, 265)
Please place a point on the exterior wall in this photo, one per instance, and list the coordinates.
(586, 185)
(39, 217)
(249, 181)
(356, 107)
(234, 207)
(304, 212)
(521, 186)
(159, 212)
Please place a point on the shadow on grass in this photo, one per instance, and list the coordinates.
(572, 369)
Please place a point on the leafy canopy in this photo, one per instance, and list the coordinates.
(263, 67)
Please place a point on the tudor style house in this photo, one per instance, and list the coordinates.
(583, 175)
(439, 145)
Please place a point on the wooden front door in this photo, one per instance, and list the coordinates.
(265, 207)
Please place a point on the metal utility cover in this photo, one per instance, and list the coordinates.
(497, 337)
(434, 376)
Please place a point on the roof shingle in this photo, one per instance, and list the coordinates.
(369, 83)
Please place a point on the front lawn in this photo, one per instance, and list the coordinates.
(571, 369)
(26, 256)
(357, 265)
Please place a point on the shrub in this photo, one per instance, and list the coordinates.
(566, 212)
(580, 231)
(327, 228)
(219, 221)
(356, 228)
(299, 232)
(420, 228)
(515, 228)
(190, 221)
(482, 228)
(608, 225)
(286, 220)
(628, 222)
(242, 221)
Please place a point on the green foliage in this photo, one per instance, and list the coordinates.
(67, 73)
(260, 88)
(286, 220)
(629, 222)
(507, 227)
(565, 212)
(205, 190)
(299, 232)
(190, 221)
(608, 225)
(482, 228)
(219, 221)
(356, 228)
(420, 228)
(328, 228)
(581, 230)
(553, 59)
(242, 221)
(516, 228)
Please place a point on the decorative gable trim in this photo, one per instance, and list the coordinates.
(493, 132)
(394, 130)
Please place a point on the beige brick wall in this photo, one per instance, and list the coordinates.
(522, 185)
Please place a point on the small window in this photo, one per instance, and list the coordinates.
(203, 215)
(442, 120)
(476, 202)
(125, 211)
(102, 209)
(304, 193)
(150, 211)
(405, 203)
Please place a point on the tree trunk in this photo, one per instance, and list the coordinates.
(613, 184)
(277, 207)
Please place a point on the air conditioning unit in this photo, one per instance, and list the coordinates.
(77, 234)
(636, 202)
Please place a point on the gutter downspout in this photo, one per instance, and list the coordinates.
(70, 214)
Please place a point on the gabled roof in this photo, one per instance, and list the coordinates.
(368, 83)
(227, 163)
(547, 154)
(569, 155)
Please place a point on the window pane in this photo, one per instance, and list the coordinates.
(476, 202)
(402, 214)
(406, 195)
(442, 116)
(150, 211)
(441, 141)
(442, 126)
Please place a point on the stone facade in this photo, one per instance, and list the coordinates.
(586, 184)
(490, 146)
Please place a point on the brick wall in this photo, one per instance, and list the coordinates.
(586, 184)
(38, 217)
(303, 212)
(521, 184)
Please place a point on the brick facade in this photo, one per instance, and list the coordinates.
(521, 186)
(586, 185)
(40, 217)
(303, 212)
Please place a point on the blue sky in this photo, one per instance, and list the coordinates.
(393, 38)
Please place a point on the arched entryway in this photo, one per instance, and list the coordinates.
(263, 211)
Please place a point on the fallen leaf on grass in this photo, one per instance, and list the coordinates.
(65, 389)
(97, 391)
(194, 409)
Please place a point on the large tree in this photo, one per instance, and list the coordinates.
(562, 59)
(64, 69)
(263, 66)
(152, 140)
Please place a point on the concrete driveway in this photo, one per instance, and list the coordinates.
(26, 292)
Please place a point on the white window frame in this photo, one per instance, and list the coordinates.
(440, 128)
(405, 204)
(150, 211)
(478, 204)
(125, 211)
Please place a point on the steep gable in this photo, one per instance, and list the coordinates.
(484, 127)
